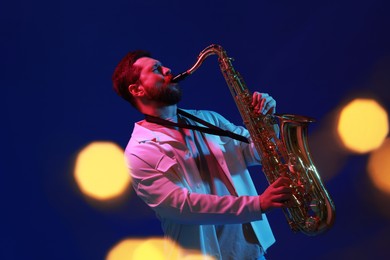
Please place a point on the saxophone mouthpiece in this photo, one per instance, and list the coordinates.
(180, 77)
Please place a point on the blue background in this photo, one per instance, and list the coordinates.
(56, 61)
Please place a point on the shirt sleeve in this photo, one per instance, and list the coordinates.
(156, 180)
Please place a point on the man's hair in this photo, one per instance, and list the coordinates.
(125, 74)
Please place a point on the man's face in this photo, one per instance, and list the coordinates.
(155, 79)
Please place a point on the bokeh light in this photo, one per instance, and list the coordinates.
(139, 249)
(363, 125)
(152, 248)
(100, 171)
(156, 248)
(379, 167)
(124, 249)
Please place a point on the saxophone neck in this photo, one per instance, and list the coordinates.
(213, 49)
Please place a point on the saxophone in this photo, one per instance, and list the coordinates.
(312, 211)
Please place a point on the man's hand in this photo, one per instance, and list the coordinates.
(263, 103)
(277, 195)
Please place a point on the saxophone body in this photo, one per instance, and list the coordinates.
(312, 211)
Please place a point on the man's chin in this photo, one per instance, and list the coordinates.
(171, 95)
(175, 86)
(175, 92)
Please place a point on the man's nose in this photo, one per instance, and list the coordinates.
(166, 71)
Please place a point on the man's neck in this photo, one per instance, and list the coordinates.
(163, 112)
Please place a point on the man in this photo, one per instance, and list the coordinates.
(196, 182)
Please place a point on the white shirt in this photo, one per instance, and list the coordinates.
(165, 175)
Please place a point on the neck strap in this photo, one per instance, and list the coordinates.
(210, 129)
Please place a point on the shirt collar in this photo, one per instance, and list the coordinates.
(145, 131)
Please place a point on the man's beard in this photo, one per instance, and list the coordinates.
(167, 95)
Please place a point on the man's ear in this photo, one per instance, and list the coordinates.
(136, 90)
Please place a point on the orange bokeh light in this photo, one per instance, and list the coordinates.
(379, 167)
(363, 125)
(100, 171)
